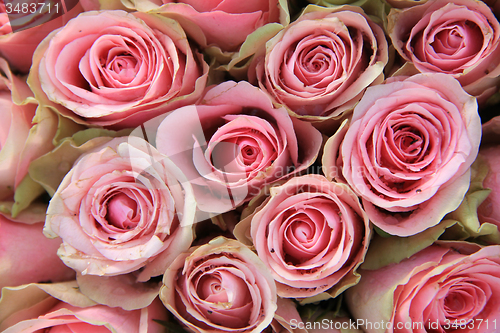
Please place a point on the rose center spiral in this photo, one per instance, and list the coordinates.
(122, 211)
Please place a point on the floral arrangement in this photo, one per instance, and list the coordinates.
(250, 166)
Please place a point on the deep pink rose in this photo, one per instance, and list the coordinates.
(459, 37)
(117, 69)
(217, 19)
(27, 256)
(62, 308)
(311, 233)
(320, 64)
(450, 288)
(220, 286)
(408, 150)
(122, 207)
(234, 143)
(19, 146)
(18, 47)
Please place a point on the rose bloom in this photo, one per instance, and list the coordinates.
(30, 29)
(311, 233)
(460, 38)
(120, 208)
(234, 143)
(62, 308)
(408, 150)
(220, 286)
(435, 289)
(27, 256)
(18, 146)
(319, 66)
(116, 69)
(217, 19)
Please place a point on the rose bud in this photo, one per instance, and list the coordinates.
(460, 38)
(311, 233)
(319, 66)
(121, 208)
(234, 143)
(116, 69)
(220, 286)
(407, 151)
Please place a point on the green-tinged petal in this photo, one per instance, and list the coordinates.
(254, 44)
(102, 5)
(27, 191)
(385, 251)
(50, 169)
(351, 279)
(375, 8)
(466, 214)
(36, 297)
(119, 291)
(33, 214)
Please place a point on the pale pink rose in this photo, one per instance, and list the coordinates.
(435, 289)
(27, 256)
(112, 68)
(220, 286)
(120, 208)
(234, 143)
(311, 233)
(408, 150)
(224, 23)
(489, 210)
(18, 47)
(459, 37)
(319, 66)
(18, 146)
(63, 309)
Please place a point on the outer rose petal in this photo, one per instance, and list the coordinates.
(137, 81)
(21, 141)
(416, 290)
(248, 16)
(311, 233)
(403, 193)
(320, 64)
(205, 141)
(38, 307)
(122, 207)
(18, 48)
(27, 256)
(489, 209)
(221, 286)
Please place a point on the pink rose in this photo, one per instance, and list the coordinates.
(62, 308)
(117, 69)
(27, 256)
(217, 19)
(19, 142)
(459, 37)
(121, 208)
(407, 151)
(18, 47)
(234, 143)
(444, 288)
(319, 66)
(220, 286)
(311, 233)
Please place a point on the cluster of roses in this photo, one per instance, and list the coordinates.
(211, 166)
